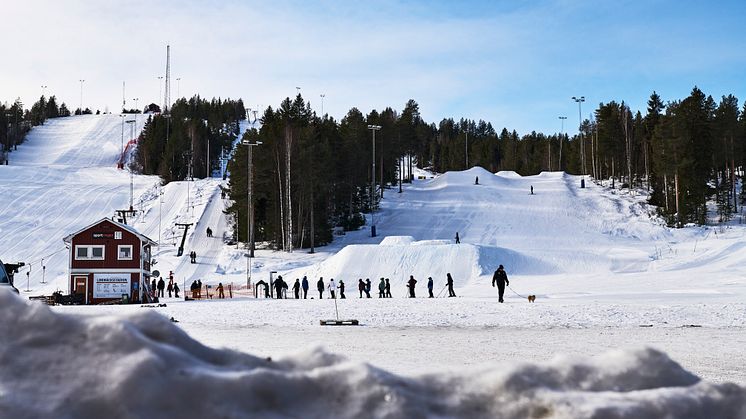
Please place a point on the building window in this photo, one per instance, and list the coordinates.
(125, 252)
(117, 235)
(89, 252)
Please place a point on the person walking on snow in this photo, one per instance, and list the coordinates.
(500, 278)
(361, 286)
(209, 232)
(296, 288)
(449, 282)
(221, 293)
(458, 240)
(430, 287)
(388, 289)
(176, 290)
(280, 285)
(382, 289)
(170, 287)
(410, 284)
(161, 286)
(342, 290)
(332, 289)
(367, 287)
(532, 189)
(304, 285)
(320, 287)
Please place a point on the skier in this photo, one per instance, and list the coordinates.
(161, 286)
(320, 287)
(304, 285)
(332, 288)
(170, 287)
(388, 289)
(382, 289)
(449, 282)
(361, 286)
(209, 232)
(221, 294)
(476, 181)
(501, 279)
(532, 189)
(410, 284)
(430, 286)
(176, 290)
(296, 288)
(458, 240)
(367, 287)
(342, 289)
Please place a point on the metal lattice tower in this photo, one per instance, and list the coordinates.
(167, 94)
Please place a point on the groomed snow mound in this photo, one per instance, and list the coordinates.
(398, 257)
(143, 365)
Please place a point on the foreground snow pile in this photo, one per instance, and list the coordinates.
(144, 366)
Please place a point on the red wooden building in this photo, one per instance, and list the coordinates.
(108, 260)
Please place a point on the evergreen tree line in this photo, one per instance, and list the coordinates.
(312, 173)
(15, 121)
(187, 135)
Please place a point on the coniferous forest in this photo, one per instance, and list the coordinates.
(312, 173)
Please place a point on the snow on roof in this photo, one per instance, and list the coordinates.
(145, 366)
(131, 229)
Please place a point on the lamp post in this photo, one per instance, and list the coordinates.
(160, 91)
(81, 95)
(562, 132)
(178, 87)
(580, 100)
(373, 128)
(323, 95)
(43, 89)
(137, 110)
(250, 207)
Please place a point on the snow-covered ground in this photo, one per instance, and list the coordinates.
(606, 272)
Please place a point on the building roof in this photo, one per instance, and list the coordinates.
(131, 229)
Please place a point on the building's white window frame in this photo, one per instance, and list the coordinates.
(89, 252)
(119, 251)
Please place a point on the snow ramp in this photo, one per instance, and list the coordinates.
(405, 257)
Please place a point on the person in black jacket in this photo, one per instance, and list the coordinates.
(304, 285)
(388, 289)
(367, 287)
(161, 286)
(410, 284)
(430, 286)
(342, 289)
(320, 287)
(280, 285)
(361, 286)
(449, 282)
(500, 278)
(296, 288)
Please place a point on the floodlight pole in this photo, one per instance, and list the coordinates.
(373, 128)
(580, 100)
(250, 206)
(562, 133)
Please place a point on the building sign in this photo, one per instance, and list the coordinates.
(103, 235)
(111, 285)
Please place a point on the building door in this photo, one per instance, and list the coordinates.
(81, 286)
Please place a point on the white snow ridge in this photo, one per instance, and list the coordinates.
(143, 366)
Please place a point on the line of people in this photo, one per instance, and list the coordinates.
(300, 287)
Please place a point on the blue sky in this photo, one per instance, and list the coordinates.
(513, 63)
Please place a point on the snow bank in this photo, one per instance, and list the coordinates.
(142, 365)
(425, 258)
